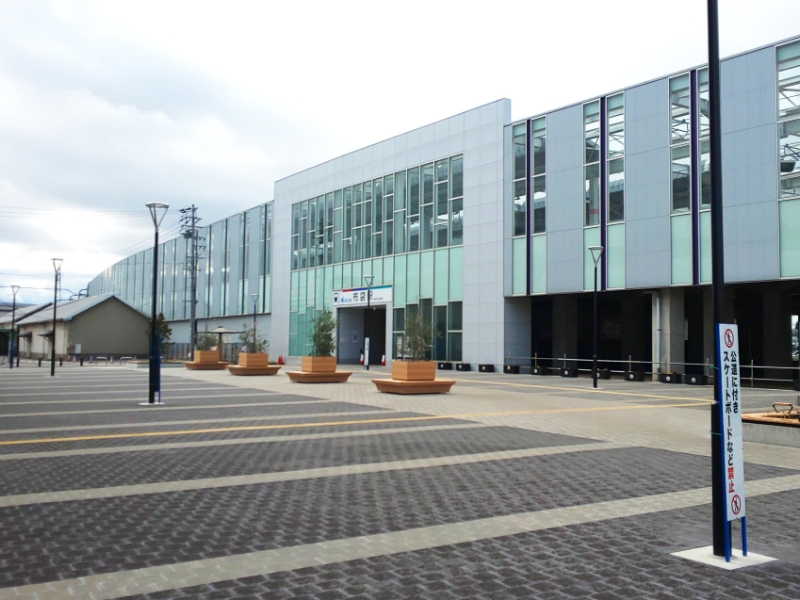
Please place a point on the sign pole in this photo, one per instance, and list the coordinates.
(721, 528)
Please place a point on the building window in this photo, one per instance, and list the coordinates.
(416, 209)
(519, 185)
(591, 168)
(615, 168)
(539, 180)
(789, 119)
(680, 137)
(704, 120)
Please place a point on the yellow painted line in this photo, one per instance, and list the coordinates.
(115, 436)
(574, 389)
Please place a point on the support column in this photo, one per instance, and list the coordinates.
(777, 331)
(517, 340)
(673, 331)
(565, 328)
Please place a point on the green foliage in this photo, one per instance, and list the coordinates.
(246, 337)
(163, 330)
(205, 341)
(418, 338)
(322, 341)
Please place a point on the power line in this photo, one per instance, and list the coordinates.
(30, 209)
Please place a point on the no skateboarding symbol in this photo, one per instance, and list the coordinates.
(736, 504)
(729, 339)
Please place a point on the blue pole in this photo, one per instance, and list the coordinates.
(744, 536)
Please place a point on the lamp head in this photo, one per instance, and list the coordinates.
(14, 289)
(369, 279)
(57, 264)
(157, 212)
(597, 252)
(254, 297)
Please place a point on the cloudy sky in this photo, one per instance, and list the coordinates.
(105, 106)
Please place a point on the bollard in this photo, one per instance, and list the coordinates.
(81, 361)
(18, 362)
(40, 362)
(60, 362)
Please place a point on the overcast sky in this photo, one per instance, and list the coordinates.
(105, 106)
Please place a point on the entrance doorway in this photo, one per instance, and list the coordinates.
(352, 323)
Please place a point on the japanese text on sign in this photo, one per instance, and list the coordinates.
(728, 361)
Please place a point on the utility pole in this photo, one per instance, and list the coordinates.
(719, 524)
(189, 231)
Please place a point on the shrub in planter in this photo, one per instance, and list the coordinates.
(254, 350)
(323, 345)
(417, 342)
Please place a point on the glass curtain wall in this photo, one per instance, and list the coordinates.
(703, 117)
(615, 190)
(539, 205)
(591, 188)
(680, 126)
(519, 247)
(405, 228)
(788, 63)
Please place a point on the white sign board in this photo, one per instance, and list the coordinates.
(381, 294)
(728, 361)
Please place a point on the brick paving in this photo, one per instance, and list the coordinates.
(658, 455)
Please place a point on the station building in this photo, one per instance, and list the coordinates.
(483, 224)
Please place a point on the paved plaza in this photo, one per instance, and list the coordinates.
(511, 486)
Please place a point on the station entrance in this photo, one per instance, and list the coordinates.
(353, 324)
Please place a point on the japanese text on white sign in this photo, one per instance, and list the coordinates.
(728, 361)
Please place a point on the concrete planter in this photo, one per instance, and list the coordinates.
(318, 364)
(406, 370)
(766, 430)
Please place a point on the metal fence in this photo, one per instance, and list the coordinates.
(749, 372)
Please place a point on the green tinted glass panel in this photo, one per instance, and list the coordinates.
(682, 249)
(327, 298)
(790, 238)
(440, 279)
(377, 271)
(426, 275)
(412, 279)
(591, 237)
(539, 264)
(399, 292)
(319, 288)
(388, 270)
(705, 247)
(347, 275)
(337, 277)
(519, 275)
(456, 274)
(295, 291)
(616, 256)
(358, 280)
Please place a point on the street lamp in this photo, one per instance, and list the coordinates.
(369, 279)
(14, 290)
(597, 252)
(157, 212)
(255, 305)
(57, 268)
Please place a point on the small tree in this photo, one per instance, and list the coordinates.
(322, 341)
(418, 338)
(246, 337)
(163, 331)
(205, 341)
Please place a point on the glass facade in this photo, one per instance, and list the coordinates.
(225, 273)
(416, 209)
(591, 169)
(680, 143)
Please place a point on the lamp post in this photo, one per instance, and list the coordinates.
(57, 268)
(157, 212)
(369, 279)
(597, 252)
(255, 306)
(13, 338)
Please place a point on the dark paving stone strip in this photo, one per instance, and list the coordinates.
(233, 435)
(108, 470)
(131, 432)
(43, 410)
(155, 415)
(50, 541)
(608, 560)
